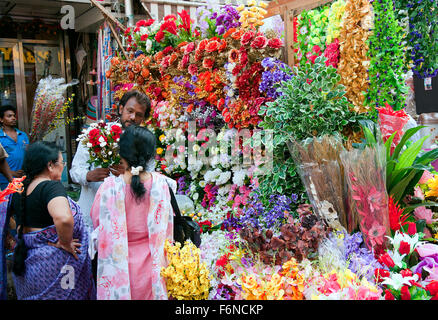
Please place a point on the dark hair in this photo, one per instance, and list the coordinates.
(141, 98)
(38, 155)
(137, 147)
(5, 108)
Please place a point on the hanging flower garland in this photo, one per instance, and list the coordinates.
(354, 63)
(387, 57)
(312, 27)
(423, 36)
(336, 13)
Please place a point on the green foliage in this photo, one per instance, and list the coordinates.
(305, 109)
(387, 59)
(406, 164)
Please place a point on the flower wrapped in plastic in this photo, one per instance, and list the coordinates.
(47, 104)
(391, 121)
(365, 173)
(101, 140)
(317, 162)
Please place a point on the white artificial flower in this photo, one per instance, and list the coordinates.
(202, 183)
(223, 178)
(89, 145)
(239, 177)
(196, 196)
(397, 281)
(399, 237)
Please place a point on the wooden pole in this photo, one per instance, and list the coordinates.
(116, 36)
(108, 15)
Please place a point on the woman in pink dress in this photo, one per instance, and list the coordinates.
(132, 217)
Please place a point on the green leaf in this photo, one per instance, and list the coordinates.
(388, 144)
(370, 139)
(408, 156)
(408, 134)
(428, 157)
(400, 187)
(412, 207)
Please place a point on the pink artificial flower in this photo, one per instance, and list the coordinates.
(427, 249)
(418, 193)
(421, 213)
(426, 177)
(376, 234)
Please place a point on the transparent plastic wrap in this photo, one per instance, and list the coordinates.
(365, 175)
(322, 173)
(391, 121)
(48, 102)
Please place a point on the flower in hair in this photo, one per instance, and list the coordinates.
(135, 171)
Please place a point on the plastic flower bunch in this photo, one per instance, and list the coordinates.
(228, 18)
(15, 186)
(335, 15)
(187, 278)
(252, 16)
(402, 278)
(138, 38)
(387, 84)
(274, 74)
(285, 283)
(341, 285)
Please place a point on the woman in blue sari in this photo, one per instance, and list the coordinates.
(51, 261)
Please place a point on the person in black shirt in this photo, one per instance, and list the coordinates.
(49, 224)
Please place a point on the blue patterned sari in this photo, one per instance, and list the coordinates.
(52, 273)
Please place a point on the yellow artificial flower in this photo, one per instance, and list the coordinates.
(263, 4)
(240, 8)
(162, 137)
(159, 151)
(433, 186)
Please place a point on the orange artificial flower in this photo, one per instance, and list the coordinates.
(230, 31)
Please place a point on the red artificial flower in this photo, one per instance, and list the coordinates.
(202, 44)
(247, 38)
(389, 295)
(396, 219)
(316, 48)
(212, 46)
(159, 36)
(93, 133)
(275, 43)
(189, 48)
(380, 273)
(170, 17)
(404, 293)
(405, 248)
(186, 21)
(140, 23)
(167, 50)
(205, 223)
(386, 260)
(259, 42)
(412, 228)
(149, 22)
(197, 34)
(233, 55)
(193, 69)
(406, 272)
(128, 30)
(137, 29)
(208, 63)
(432, 288)
(243, 57)
(144, 37)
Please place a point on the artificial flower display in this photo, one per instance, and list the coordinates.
(337, 212)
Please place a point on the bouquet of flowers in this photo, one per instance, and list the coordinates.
(101, 140)
(187, 278)
(47, 105)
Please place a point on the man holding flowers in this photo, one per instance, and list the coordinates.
(134, 107)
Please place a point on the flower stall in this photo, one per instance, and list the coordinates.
(291, 149)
